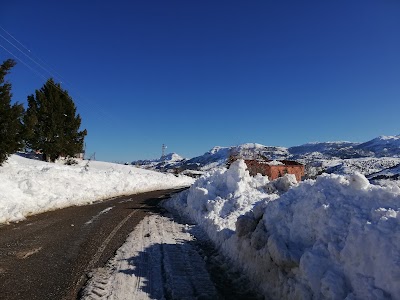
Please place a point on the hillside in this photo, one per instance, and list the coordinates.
(331, 157)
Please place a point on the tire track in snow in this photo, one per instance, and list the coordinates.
(108, 239)
(140, 266)
(100, 283)
(157, 261)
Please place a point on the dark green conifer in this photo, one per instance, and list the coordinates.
(11, 138)
(52, 123)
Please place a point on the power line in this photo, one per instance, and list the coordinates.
(14, 39)
(26, 55)
(82, 105)
(41, 75)
(50, 70)
(22, 45)
(33, 70)
(37, 73)
(86, 105)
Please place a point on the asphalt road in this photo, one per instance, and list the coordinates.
(48, 256)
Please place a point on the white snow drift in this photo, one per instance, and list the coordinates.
(29, 186)
(336, 237)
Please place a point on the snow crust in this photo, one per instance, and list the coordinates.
(29, 186)
(336, 237)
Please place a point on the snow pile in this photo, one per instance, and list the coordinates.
(334, 237)
(29, 186)
(219, 197)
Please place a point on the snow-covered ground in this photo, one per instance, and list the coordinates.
(30, 186)
(336, 237)
(158, 261)
(364, 165)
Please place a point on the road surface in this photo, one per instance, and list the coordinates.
(48, 256)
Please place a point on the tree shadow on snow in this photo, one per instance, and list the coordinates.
(229, 280)
(188, 270)
(171, 271)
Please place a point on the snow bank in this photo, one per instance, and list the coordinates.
(335, 237)
(219, 197)
(29, 186)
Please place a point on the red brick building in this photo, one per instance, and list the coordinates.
(275, 169)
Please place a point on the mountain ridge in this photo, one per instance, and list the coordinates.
(315, 154)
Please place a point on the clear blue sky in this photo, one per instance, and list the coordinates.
(195, 74)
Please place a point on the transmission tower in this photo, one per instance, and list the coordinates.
(163, 157)
(163, 151)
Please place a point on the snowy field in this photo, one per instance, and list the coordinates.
(336, 237)
(30, 187)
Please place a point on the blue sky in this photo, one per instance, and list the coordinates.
(195, 74)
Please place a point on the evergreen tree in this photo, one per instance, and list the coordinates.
(52, 123)
(10, 116)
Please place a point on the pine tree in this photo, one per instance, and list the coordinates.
(52, 123)
(10, 116)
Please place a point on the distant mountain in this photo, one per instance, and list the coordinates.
(326, 150)
(382, 146)
(218, 156)
(215, 155)
(333, 157)
(169, 161)
(172, 157)
(347, 157)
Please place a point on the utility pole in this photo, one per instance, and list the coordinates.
(163, 157)
(163, 151)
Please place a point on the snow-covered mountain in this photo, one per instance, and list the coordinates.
(347, 158)
(218, 156)
(333, 157)
(382, 146)
(169, 161)
(324, 150)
